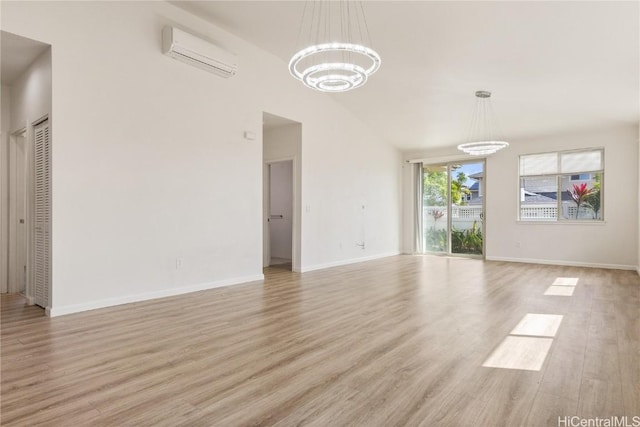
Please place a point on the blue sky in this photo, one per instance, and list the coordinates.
(469, 169)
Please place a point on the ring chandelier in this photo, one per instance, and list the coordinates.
(331, 66)
(484, 135)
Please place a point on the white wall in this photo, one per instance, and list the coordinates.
(604, 244)
(31, 93)
(334, 220)
(5, 130)
(5, 121)
(638, 265)
(281, 209)
(150, 164)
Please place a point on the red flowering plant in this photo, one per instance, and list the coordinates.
(436, 214)
(579, 193)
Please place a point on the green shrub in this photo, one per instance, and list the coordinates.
(467, 241)
(436, 240)
(462, 241)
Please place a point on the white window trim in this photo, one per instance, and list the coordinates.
(558, 176)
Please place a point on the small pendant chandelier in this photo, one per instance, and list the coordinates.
(336, 57)
(484, 134)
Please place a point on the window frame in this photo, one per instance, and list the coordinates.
(558, 176)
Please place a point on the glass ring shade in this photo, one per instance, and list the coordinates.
(333, 76)
(482, 148)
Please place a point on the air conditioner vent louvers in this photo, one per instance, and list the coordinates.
(203, 64)
(200, 53)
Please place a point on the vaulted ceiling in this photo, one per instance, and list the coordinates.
(553, 67)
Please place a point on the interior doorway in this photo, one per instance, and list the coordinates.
(282, 151)
(25, 173)
(280, 218)
(453, 208)
(18, 196)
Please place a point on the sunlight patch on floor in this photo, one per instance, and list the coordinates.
(563, 291)
(527, 345)
(525, 353)
(565, 281)
(539, 325)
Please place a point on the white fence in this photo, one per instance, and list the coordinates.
(463, 212)
(463, 217)
(548, 212)
(539, 212)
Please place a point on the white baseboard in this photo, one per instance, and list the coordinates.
(562, 262)
(109, 302)
(347, 261)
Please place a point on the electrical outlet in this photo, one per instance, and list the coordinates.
(179, 262)
(517, 244)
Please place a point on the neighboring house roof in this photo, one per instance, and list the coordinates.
(544, 185)
(546, 197)
(566, 196)
(538, 198)
(475, 186)
(549, 195)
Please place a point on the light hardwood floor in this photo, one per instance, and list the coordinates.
(397, 341)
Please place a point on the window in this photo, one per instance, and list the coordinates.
(580, 177)
(565, 185)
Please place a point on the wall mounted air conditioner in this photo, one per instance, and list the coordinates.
(200, 53)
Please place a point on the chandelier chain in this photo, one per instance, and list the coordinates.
(369, 41)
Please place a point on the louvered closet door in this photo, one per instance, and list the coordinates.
(42, 232)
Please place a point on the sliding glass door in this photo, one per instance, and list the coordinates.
(435, 206)
(453, 208)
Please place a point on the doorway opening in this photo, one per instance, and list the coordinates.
(18, 196)
(25, 178)
(282, 140)
(280, 218)
(453, 208)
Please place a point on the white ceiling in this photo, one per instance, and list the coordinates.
(17, 54)
(553, 67)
